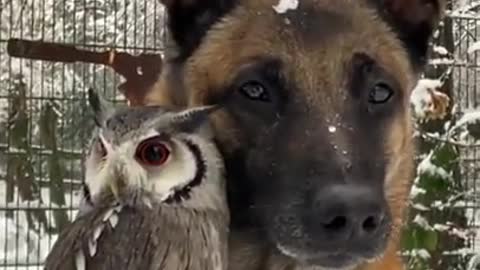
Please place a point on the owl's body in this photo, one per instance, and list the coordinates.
(147, 238)
(156, 196)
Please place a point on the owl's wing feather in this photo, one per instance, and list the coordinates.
(160, 239)
(64, 251)
(194, 240)
(103, 247)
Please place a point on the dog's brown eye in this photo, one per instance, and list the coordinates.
(255, 91)
(381, 93)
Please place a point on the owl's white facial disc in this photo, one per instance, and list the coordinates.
(180, 170)
(166, 167)
(168, 155)
(113, 164)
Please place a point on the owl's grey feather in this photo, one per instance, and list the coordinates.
(128, 119)
(162, 237)
(154, 195)
(101, 108)
(126, 122)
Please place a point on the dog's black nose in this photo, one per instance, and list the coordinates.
(348, 215)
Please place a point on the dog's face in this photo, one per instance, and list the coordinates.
(315, 127)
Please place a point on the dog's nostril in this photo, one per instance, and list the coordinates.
(336, 224)
(349, 214)
(370, 224)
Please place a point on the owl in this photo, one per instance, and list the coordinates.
(154, 194)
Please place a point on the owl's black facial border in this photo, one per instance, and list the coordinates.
(183, 192)
(87, 195)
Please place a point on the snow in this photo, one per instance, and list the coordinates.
(427, 167)
(21, 244)
(474, 262)
(468, 118)
(461, 252)
(420, 207)
(332, 129)
(440, 50)
(441, 61)
(463, 6)
(416, 191)
(35, 204)
(421, 98)
(422, 222)
(422, 253)
(94, 23)
(14, 246)
(25, 244)
(286, 5)
(475, 47)
(462, 234)
(441, 228)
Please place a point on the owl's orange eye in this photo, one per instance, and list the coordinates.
(152, 152)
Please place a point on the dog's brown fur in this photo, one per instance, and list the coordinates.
(315, 43)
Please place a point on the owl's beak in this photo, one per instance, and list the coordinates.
(114, 189)
(115, 181)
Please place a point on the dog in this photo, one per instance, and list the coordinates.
(315, 122)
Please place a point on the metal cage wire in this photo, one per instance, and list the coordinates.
(44, 123)
(466, 74)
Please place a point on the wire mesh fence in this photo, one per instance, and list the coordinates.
(44, 123)
(466, 86)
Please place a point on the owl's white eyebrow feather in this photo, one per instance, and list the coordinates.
(92, 247)
(105, 142)
(80, 262)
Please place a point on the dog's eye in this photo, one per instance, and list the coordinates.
(255, 91)
(380, 93)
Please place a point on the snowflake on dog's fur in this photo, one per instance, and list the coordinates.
(285, 5)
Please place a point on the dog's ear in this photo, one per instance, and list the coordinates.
(189, 20)
(415, 22)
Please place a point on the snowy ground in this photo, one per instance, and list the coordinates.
(102, 23)
(19, 244)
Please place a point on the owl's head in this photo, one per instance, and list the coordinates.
(165, 153)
